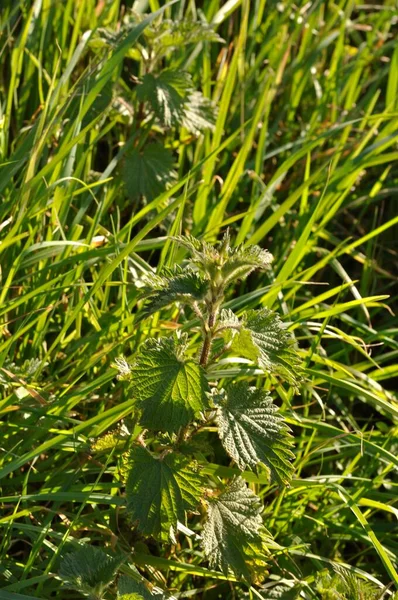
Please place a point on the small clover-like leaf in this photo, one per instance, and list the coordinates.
(232, 528)
(89, 570)
(173, 285)
(252, 431)
(170, 389)
(160, 490)
(264, 339)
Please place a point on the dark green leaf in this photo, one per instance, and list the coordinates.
(252, 433)
(160, 490)
(147, 172)
(171, 389)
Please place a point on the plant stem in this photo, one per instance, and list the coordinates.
(204, 357)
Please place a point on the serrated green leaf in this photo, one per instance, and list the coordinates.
(228, 320)
(199, 113)
(160, 490)
(252, 433)
(149, 171)
(173, 285)
(175, 101)
(170, 389)
(89, 570)
(233, 523)
(166, 93)
(263, 338)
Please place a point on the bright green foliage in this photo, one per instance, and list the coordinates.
(89, 570)
(302, 160)
(170, 389)
(147, 172)
(252, 432)
(173, 285)
(233, 521)
(263, 338)
(160, 489)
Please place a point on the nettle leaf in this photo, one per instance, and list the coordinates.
(175, 102)
(222, 262)
(166, 93)
(232, 527)
(128, 589)
(264, 339)
(228, 320)
(252, 432)
(172, 34)
(160, 490)
(89, 570)
(149, 171)
(173, 285)
(199, 113)
(171, 389)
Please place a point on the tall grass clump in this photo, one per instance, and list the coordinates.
(149, 154)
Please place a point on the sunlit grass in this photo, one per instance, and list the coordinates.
(301, 160)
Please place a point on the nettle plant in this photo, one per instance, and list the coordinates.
(180, 408)
(158, 98)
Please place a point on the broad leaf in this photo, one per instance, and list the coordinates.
(199, 113)
(89, 570)
(167, 94)
(149, 171)
(263, 338)
(252, 432)
(175, 102)
(173, 285)
(233, 524)
(170, 389)
(160, 490)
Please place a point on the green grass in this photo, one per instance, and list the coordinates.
(301, 160)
